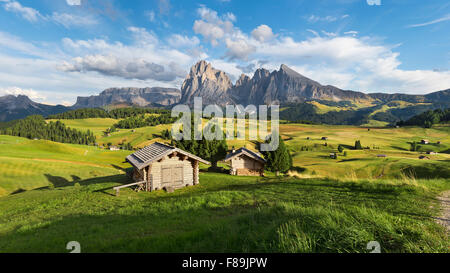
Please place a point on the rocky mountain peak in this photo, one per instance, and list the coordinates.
(261, 73)
(206, 82)
(243, 80)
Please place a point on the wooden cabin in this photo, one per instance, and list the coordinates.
(425, 141)
(245, 162)
(165, 167)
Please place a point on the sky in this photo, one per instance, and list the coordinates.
(56, 50)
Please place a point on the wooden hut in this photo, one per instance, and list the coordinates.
(245, 162)
(162, 166)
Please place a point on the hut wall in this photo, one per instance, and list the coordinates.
(163, 173)
(245, 165)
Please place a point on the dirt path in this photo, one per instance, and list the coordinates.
(444, 218)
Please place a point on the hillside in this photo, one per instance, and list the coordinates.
(18, 107)
(54, 193)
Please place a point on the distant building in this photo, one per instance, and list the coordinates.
(324, 138)
(114, 148)
(424, 141)
(333, 155)
(381, 155)
(423, 157)
(245, 162)
(431, 153)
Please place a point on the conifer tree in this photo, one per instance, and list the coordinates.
(279, 160)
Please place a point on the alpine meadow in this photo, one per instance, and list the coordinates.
(116, 136)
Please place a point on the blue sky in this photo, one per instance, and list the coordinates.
(56, 50)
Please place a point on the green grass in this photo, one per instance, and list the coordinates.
(54, 193)
(226, 214)
(28, 164)
(95, 125)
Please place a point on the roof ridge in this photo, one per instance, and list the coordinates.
(163, 144)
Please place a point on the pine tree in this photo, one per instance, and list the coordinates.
(358, 145)
(340, 148)
(279, 160)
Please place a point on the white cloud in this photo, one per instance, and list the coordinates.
(238, 49)
(351, 32)
(32, 94)
(347, 61)
(150, 15)
(313, 32)
(374, 2)
(27, 13)
(352, 63)
(180, 41)
(65, 19)
(145, 59)
(211, 26)
(314, 18)
(262, 33)
(69, 20)
(73, 2)
(442, 19)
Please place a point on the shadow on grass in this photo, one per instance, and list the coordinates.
(61, 182)
(253, 227)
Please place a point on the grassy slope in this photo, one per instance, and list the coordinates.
(28, 164)
(365, 164)
(96, 125)
(226, 214)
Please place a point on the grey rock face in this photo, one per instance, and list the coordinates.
(210, 84)
(282, 86)
(131, 96)
(286, 85)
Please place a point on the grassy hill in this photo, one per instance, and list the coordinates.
(226, 214)
(54, 193)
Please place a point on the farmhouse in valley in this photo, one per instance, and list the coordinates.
(245, 162)
(162, 166)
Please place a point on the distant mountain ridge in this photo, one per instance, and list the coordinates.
(18, 107)
(142, 97)
(281, 86)
(284, 86)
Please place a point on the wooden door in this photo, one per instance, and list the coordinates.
(172, 176)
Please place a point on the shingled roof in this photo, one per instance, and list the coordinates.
(247, 152)
(155, 152)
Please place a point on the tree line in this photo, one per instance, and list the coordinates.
(35, 127)
(102, 113)
(428, 119)
(142, 121)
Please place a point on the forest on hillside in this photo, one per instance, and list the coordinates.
(36, 127)
(102, 113)
(428, 119)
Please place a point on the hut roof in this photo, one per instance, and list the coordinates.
(247, 152)
(155, 152)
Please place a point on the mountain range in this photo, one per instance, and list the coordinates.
(18, 107)
(284, 86)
